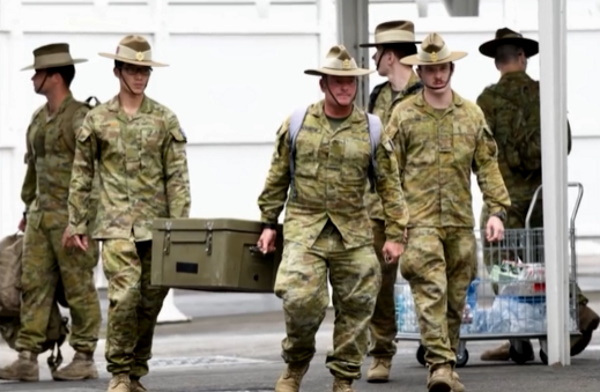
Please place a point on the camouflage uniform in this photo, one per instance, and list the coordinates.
(45, 192)
(437, 151)
(521, 169)
(383, 327)
(143, 173)
(327, 229)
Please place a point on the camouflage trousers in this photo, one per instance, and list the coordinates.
(45, 261)
(133, 305)
(383, 327)
(302, 285)
(515, 219)
(438, 263)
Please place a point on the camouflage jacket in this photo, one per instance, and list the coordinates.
(330, 179)
(142, 166)
(382, 106)
(49, 160)
(512, 110)
(437, 152)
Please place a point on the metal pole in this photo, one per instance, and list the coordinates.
(552, 31)
(353, 29)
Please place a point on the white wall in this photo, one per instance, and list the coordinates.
(236, 72)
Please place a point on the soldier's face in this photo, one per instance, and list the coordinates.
(436, 77)
(41, 82)
(134, 77)
(380, 60)
(339, 89)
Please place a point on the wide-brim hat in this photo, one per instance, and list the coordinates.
(394, 32)
(506, 36)
(51, 56)
(433, 50)
(134, 49)
(339, 62)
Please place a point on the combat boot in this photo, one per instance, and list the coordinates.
(136, 386)
(81, 368)
(379, 371)
(500, 353)
(342, 385)
(119, 383)
(25, 368)
(457, 386)
(290, 379)
(588, 323)
(440, 378)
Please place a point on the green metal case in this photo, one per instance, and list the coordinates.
(212, 255)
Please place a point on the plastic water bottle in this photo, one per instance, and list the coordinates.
(472, 294)
(400, 310)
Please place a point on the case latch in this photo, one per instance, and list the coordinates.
(209, 234)
(167, 242)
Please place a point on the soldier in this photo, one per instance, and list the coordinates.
(142, 164)
(50, 145)
(440, 139)
(520, 156)
(327, 228)
(393, 40)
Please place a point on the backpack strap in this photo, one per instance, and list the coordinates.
(69, 112)
(296, 121)
(374, 124)
(373, 96)
(89, 100)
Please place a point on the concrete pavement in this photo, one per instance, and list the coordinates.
(241, 353)
(233, 344)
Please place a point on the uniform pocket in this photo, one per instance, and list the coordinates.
(356, 159)
(308, 145)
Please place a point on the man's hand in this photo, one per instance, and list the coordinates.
(22, 224)
(266, 242)
(75, 241)
(392, 251)
(494, 230)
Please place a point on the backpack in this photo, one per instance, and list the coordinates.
(11, 251)
(377, 90)
(523, 141)
(296, 121)
(69, 112)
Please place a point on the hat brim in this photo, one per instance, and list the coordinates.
(414, 59)
(372, 44)
(530, 46)
(335, 72)
(133, 62)
(64, 64)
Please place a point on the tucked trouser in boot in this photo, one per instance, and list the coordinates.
(302, 284)
(383, 327)
(44, 260)
(439, 263)
(133, 305)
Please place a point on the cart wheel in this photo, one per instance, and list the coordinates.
(421, 355)
(462, 358)
(521, 356)
(543, 357)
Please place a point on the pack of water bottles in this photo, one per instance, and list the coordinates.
(406, 316)
(509, 312)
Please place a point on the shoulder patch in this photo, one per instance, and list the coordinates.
(178, 135)
(83, 133)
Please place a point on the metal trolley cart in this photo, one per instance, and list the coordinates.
(508, 302)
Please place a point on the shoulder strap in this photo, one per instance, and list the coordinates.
(296, 121)
(69, 112)
(89, 100)
(374, 123)
(418, 85)
(373, 96)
